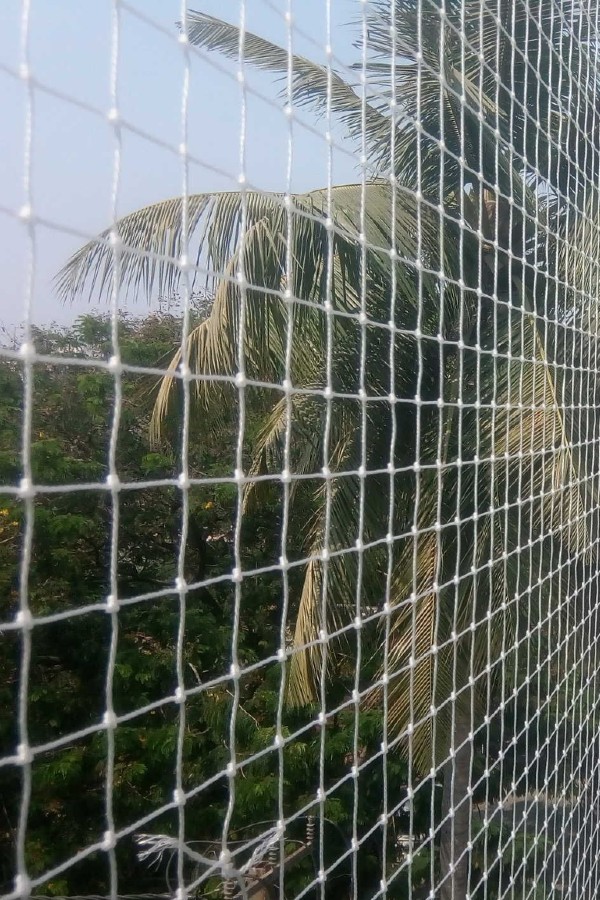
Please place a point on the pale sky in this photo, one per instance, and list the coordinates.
(70, 52)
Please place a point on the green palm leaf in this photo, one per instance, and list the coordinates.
(310, 84)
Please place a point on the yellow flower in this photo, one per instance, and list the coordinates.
(209, 505)
(4, 512)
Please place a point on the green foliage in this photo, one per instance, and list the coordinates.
(69, 572)
(503, 853)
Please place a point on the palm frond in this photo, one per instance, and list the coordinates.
(152, 242)
(306, 662)
(329, 601)
(154, 238)
(305, 415)
(416, 675)
(532, 429)
(311, 84)
(322, 263)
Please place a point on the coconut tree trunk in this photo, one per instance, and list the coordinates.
(454, 834)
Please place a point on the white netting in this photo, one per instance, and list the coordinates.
(298, 560)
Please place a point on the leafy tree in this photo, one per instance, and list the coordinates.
(477, 178)
(69, 579)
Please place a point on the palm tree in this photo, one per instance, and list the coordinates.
(418, 319)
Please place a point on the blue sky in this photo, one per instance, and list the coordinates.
(73, 148)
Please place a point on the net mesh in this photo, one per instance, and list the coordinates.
(364, 463)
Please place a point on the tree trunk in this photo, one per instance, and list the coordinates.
(454, 834)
